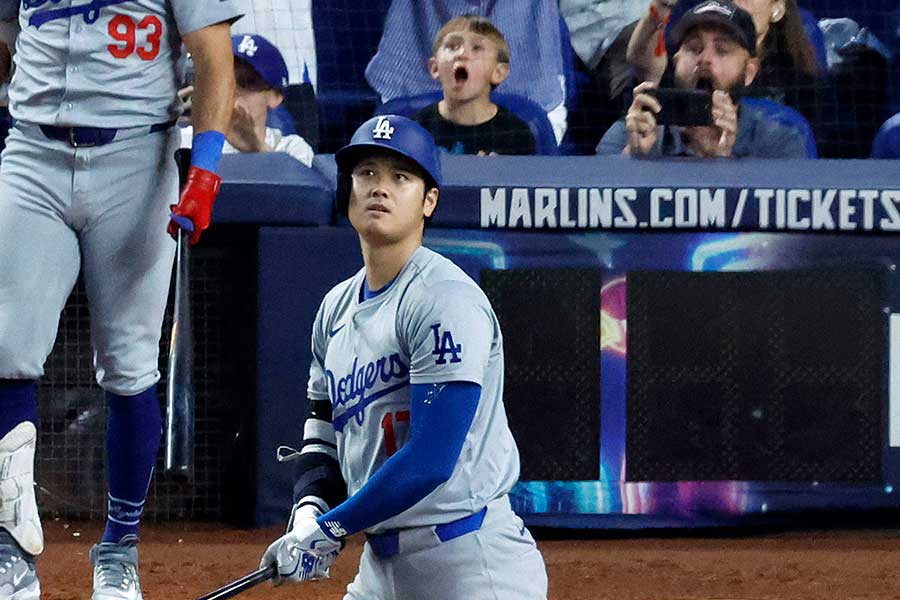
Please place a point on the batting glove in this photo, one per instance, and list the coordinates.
(194, 208)
(306, 552)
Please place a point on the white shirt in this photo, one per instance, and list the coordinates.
(293, 145)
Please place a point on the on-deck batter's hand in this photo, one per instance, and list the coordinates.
(304, 553)
(194, 208)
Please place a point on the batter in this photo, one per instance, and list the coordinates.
(407, 437)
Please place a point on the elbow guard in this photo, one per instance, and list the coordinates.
(318, 472)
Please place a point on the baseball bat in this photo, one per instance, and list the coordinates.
(243, 584)
(179, 441)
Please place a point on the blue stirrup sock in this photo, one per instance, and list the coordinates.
(18, 403)
(133, 430)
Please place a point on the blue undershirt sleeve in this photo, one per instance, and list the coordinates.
(440, 417)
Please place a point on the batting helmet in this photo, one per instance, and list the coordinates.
(396, 134)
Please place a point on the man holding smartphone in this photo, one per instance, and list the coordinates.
(702, 115)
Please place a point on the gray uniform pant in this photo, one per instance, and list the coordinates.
(104, 210)
(499, 561)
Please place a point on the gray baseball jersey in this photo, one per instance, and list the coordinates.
(433, 325)
(99, 209)
(105, 63)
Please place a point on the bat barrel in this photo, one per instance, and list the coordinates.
(179, 439)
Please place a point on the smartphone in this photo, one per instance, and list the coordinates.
(685, 108)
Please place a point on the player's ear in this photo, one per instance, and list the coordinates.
(431, 200)
(433, 68)
(500, 73)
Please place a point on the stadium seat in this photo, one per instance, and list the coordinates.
(887, 142)
(300, 101)
(530, 112)
(786, 116)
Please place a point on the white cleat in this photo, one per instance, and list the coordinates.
(116, 570)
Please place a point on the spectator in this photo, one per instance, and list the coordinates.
(599, 31)
(470, 58)
(788, 67)
(289, 25)
(717, 51)
(261, 77)
(533, 28)
(595, 24)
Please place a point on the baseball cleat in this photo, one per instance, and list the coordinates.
(18, 579)
(116, 570)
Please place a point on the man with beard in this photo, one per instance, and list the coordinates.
(716, 44)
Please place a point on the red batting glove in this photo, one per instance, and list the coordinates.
(195, 203)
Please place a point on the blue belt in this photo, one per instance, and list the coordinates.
(86, 137)
(387, 544)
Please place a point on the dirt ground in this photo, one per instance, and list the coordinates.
(188, 561)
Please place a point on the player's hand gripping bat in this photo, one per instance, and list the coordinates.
(179, 443)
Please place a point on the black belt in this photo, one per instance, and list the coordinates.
(86, 137)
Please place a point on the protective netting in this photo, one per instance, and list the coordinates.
(847, 91)
(70, 469)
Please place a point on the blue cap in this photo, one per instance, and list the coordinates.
(395, 133)
(389, 132)
(263, 57)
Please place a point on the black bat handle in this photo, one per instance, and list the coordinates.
(243, 584)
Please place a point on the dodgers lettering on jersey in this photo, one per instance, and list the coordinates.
(433, 325)
(105, 63)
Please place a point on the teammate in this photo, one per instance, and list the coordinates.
(86, 181)
(405, 404)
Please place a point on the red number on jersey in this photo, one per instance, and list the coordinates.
(153, 38)
(387, 423)
(123, 29)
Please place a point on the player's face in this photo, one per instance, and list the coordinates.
(710, 58)
(388, 200)
(466, 65)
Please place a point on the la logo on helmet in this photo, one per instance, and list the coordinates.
(248, 46)
(383, 129)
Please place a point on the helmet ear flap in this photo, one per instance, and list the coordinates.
(342, 193)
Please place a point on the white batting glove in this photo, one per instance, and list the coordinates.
(304, 553)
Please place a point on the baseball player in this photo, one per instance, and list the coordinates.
(86, 182)
(405, 404)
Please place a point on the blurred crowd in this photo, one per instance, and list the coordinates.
(716, 78)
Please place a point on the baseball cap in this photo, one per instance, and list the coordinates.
(263, 57)
(722, 13)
